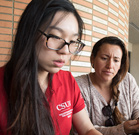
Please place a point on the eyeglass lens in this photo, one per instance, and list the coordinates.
(58, 43)
(107, 111)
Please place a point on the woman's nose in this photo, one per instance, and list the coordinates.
(110, 63)
(64, 49)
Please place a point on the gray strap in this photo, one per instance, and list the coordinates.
(90, 111)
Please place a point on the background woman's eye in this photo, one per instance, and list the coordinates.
(103, 58)
(116, 60)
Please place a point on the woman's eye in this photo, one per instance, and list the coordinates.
(54, 36)
(116, 60)
(72, 41)
(103, 58)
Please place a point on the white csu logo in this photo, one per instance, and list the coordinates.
(63, 105)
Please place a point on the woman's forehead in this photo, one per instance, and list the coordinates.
(64, 22)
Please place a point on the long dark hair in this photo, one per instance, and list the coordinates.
(121, 73)
(26, 112)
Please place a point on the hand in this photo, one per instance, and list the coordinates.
(131, 126)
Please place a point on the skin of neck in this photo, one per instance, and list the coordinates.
(43, 80)
(98, 82)
(103, 88)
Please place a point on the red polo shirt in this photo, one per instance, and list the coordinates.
(64, 101)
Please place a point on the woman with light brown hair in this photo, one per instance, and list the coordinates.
(111, 94)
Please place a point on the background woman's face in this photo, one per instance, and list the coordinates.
(107, 62)
(67, 28)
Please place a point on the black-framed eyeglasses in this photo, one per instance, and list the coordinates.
(56, 43)
(107, 111)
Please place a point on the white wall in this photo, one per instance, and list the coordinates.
(134, 62)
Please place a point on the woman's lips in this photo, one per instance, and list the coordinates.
(59, 63)
(107, 72)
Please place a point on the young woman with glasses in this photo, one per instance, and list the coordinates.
(111, 94)
(36, 97)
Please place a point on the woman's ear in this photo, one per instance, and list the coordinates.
(92, 65)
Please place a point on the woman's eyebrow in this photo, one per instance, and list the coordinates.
(117, 57)
(109, 56)
(56, 28)
(61, 30)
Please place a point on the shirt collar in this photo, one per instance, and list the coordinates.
(56, 81)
